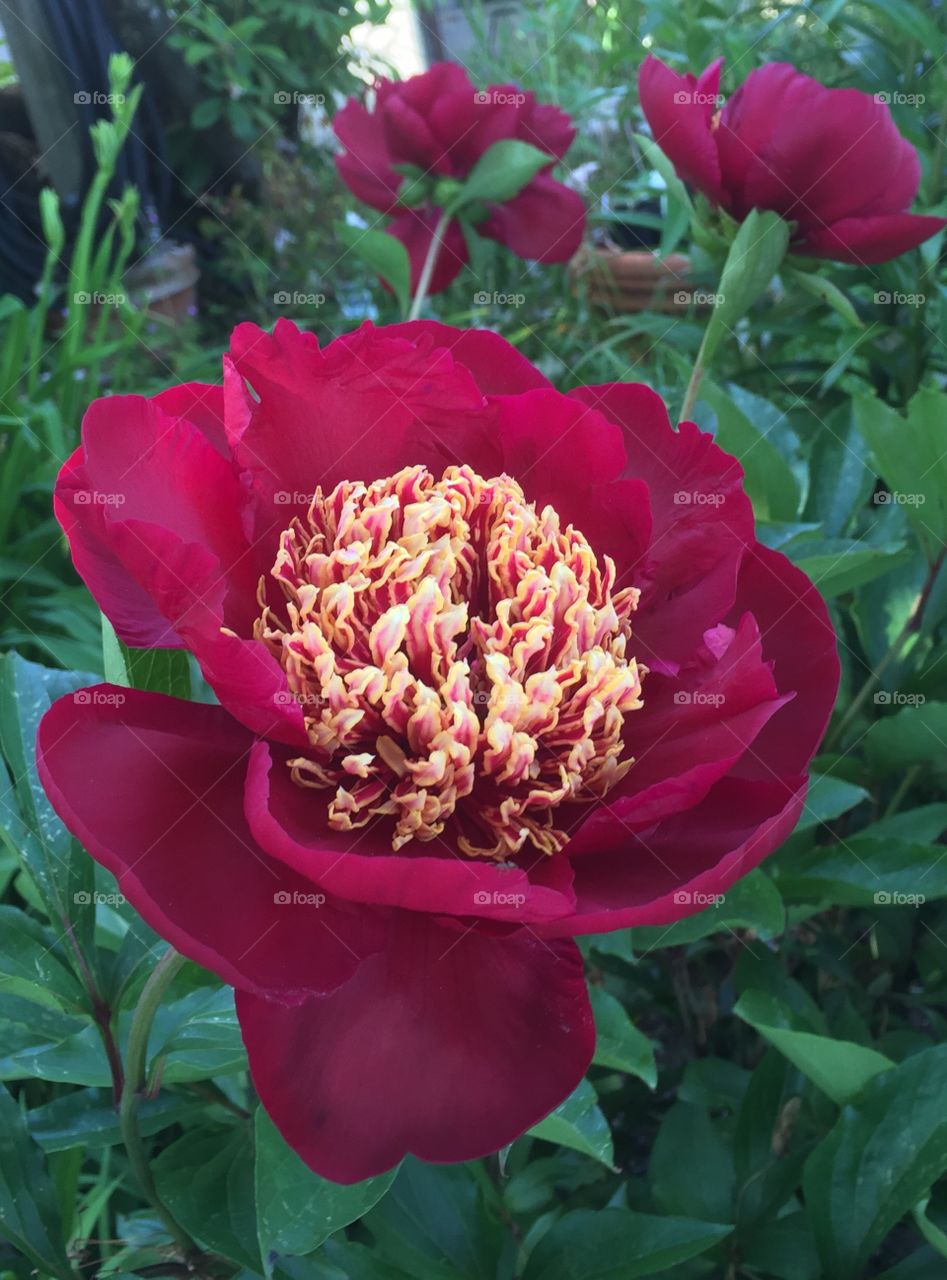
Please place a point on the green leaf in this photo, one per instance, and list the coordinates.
(113, 657)
(755, 255)
(783, 1249)
(156, 670)
(864, 871)
(936, 1238)
(841, 483)
(197, 1036)
(618, 1042)
(206, 113)
(87, 1117)
(839, 1068)
(911, 453)
(194, 1038)
(384, 254)
(769, 481)
(923, 1264)
(913, 735)
(501, 173)
(615, 1244)
(61, 870)
(29, 1216)
(752, 903)
(296, 1209)
(828, 293)
(878, 1162)
(29, 966)
(691, 1170)
(923, 825)
(579, 1124)
(206, 1180)
(434, 1223)
(828, 798)
(658, 160)
(767, 1167)
(837, 565)
(25, 1026)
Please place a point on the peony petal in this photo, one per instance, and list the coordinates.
(678, 110)
(130, 609)
(200, 403)
(873, 239)
(147, 480)
(408, 115)
(290, 822)
(153, 787)
(692, 730)
(448, 1046)
(367, 405)
(799, 640)
(542, 125)
(495, 364)
(544, 223)
(814, 155)
(659, 876)
(415, 229)
(702, 523)
(365, 166)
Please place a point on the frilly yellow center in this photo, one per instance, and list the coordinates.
(457, 655)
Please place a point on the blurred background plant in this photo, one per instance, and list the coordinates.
(767, 1097)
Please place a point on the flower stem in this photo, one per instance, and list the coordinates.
(136, 1060)
(430, 261)
(690, 395)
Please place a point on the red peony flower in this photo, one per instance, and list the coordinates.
(496, 666)
(439, 123)
(829, 160)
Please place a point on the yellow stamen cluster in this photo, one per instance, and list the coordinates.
(457, 654)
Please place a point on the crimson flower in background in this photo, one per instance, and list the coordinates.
(496, 666)
(440, 124)
(830, 160)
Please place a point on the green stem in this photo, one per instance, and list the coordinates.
(904, 786)
(430, 261)
(690, 395)
(136, 1061)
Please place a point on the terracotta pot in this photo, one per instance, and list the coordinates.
(634, 279)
